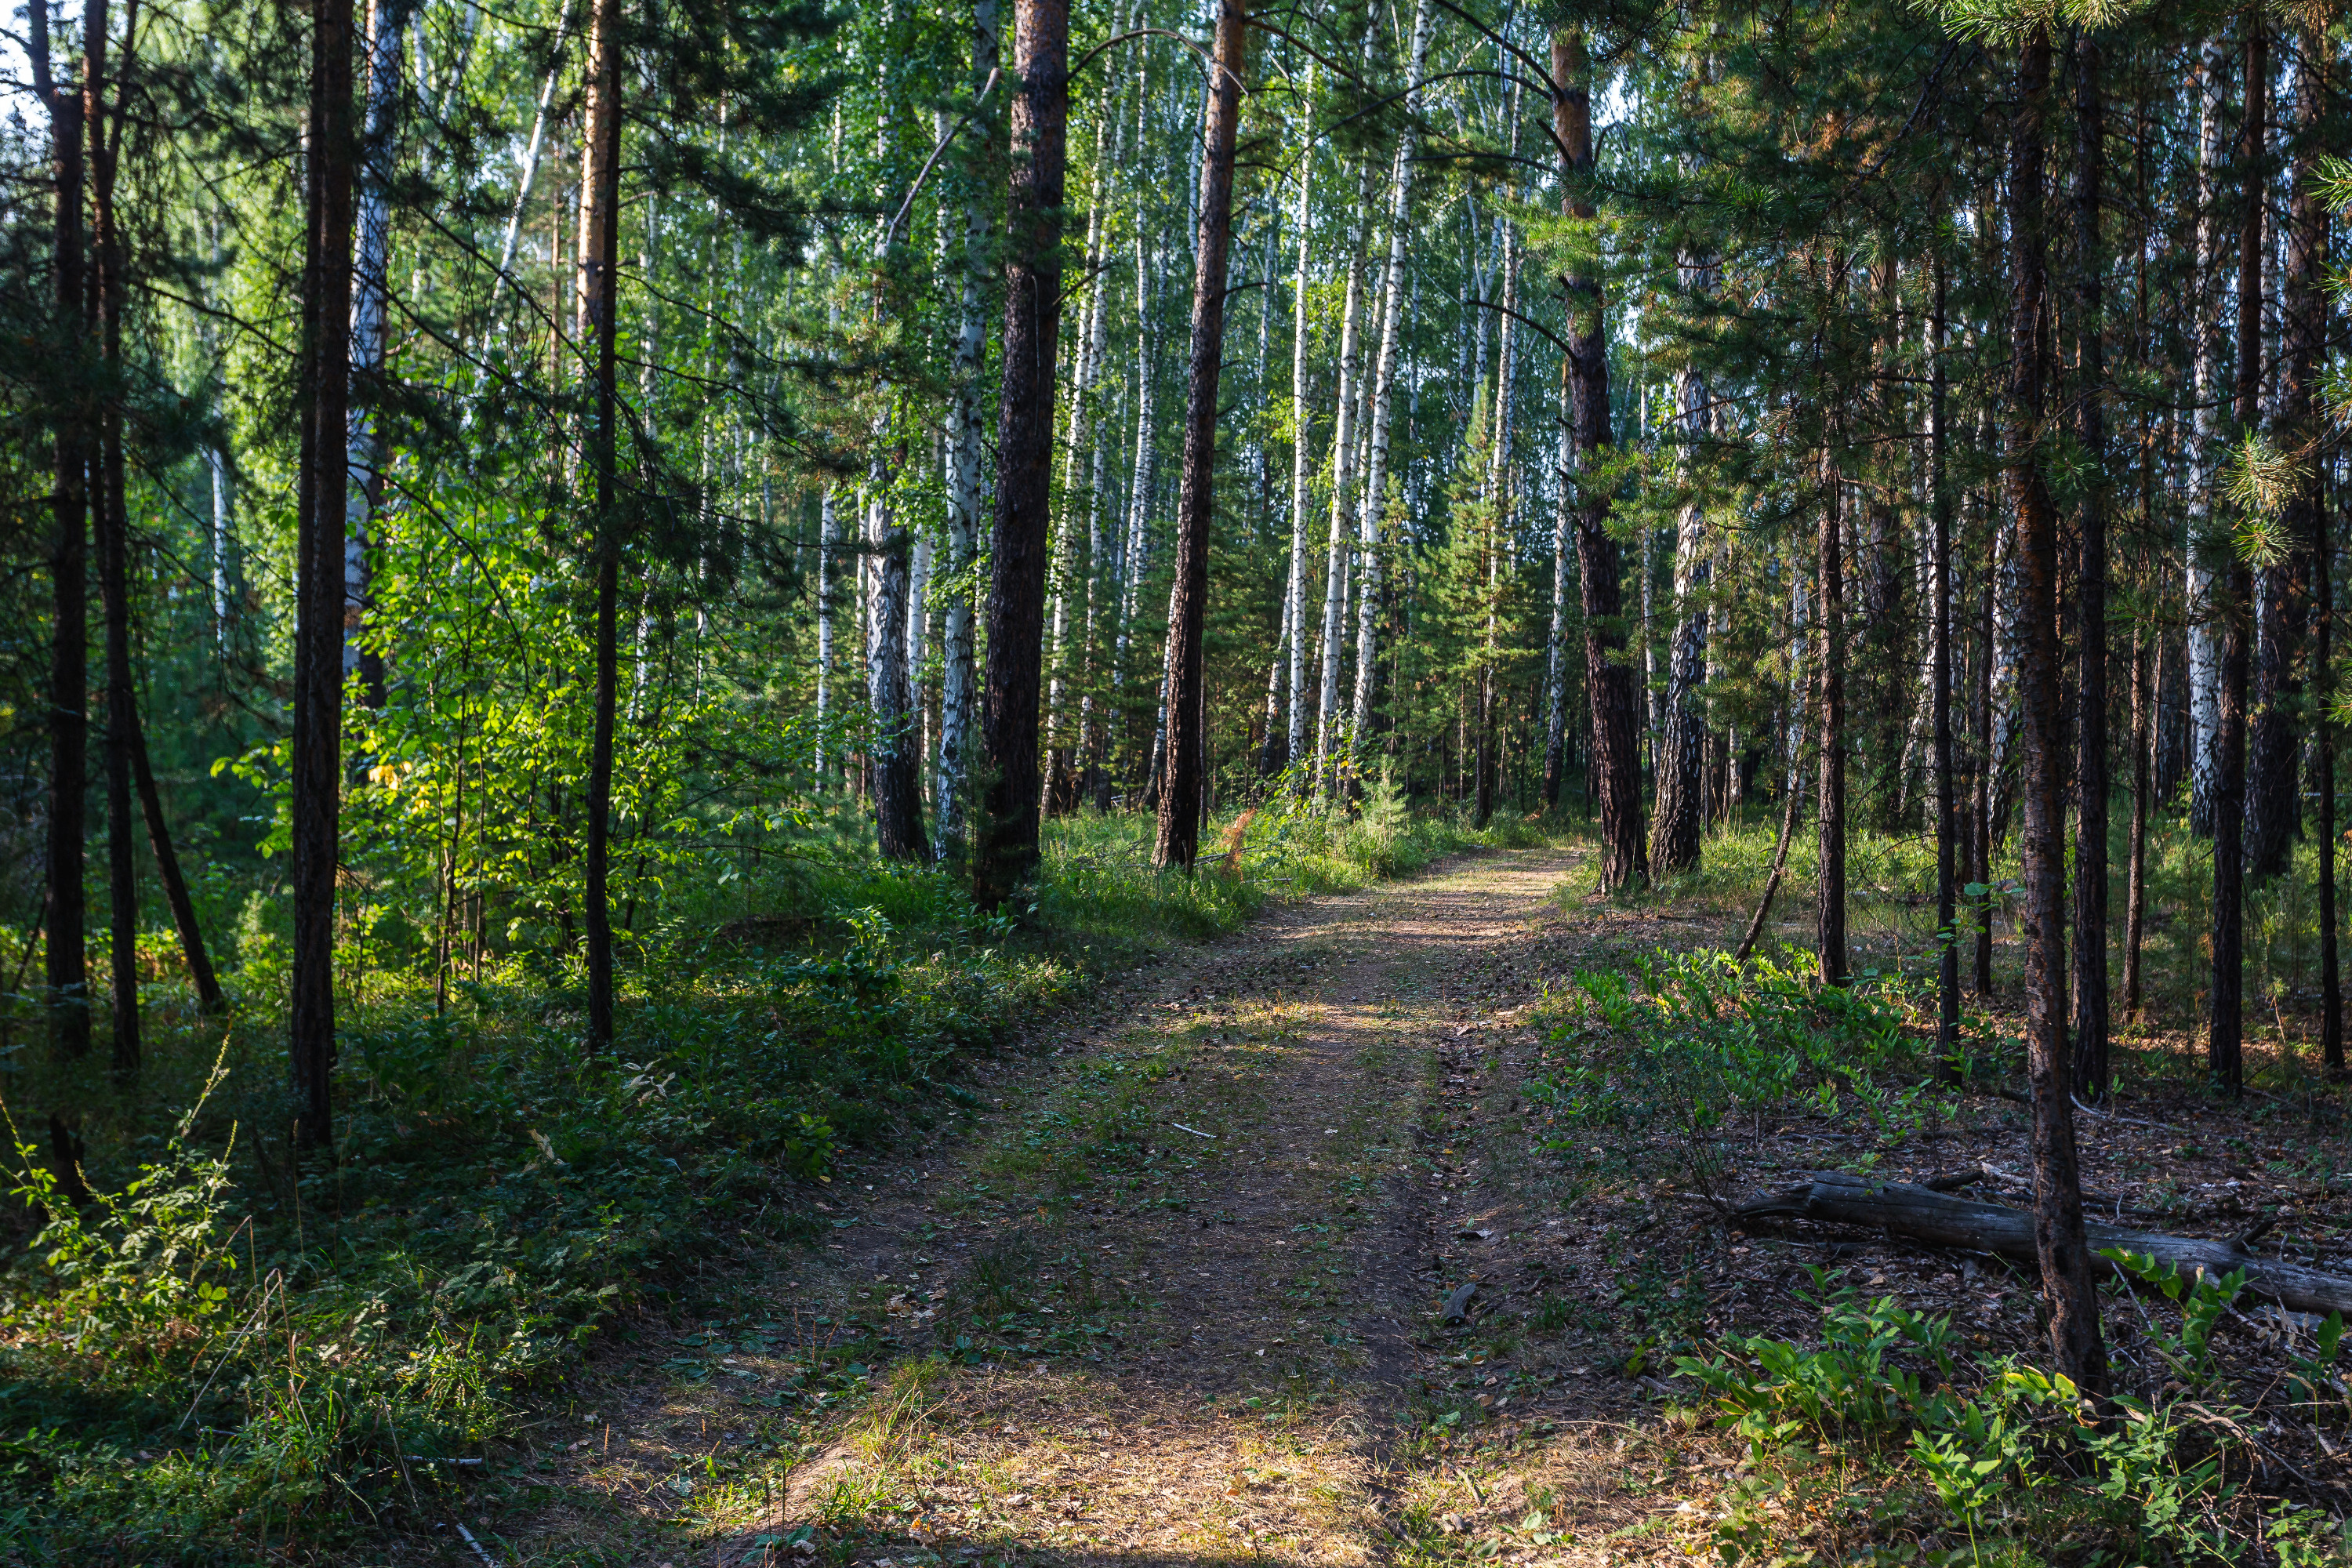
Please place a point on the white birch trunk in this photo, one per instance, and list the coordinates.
(1556, 669)
(827, 538)
(1376, 466)
(371, 302)
(1295, 598)
(2205, 316)
(526, 175)
(958, 678)
(1343, 499)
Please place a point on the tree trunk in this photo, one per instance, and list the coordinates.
(2065, 1258)
(2090, 1066)
(1947, 823)
(1301, 469)
(1925, 1213)
(371, 302)
(600, 203)
(898, 754)
(1980, 810)
(1615, 765)
(65, 964)
(2204, 549)
(1007, 855)
(1369, 566)
(2304, 327)
(952, 783)
(1181, 807)
(175, 886)
(1556, 644)
(1790, 807)
(112, 530)
(1828, 890)
(2226, 1037)
(1500, 476)
(2136, 893)
(1327, 739)
(1059, 789)
(318, 523)
(1682, 751)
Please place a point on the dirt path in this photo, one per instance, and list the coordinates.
(1178, 1293)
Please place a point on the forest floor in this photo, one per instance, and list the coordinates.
(1264, 1254)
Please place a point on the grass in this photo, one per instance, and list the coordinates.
(241, 1350)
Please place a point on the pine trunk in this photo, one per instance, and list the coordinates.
(2067, 1281)
(2225, 1038)
(1007, 857)
(2305, 328)
(1181, 788)
(599, 237)
(316, 770)
(1829, 628)
(112, 530)
(1947, 822)
(65, 963)
(1614, 774)
(2089, 954)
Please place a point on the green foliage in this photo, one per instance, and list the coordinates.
(2019, 1458)
(2203, 1300)
(1702, 1037)
(1774, 1392)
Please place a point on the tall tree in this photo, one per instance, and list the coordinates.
(1615, 764)
(2204, 549)
(1180, 793)
(111, 515)
(2059, 1240)
(2304, 334)
(890, 695)
(370, 310)
(1829, 630)
(1007, 846)
(596, 326)
(1369, 557)
(1947, 822)
(65, 961)
(964, 435)
(2226, 1024)
(2091, 781)
(325, 379)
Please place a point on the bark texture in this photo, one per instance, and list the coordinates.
(1007, 829)
(1615, 764)
(2225, 1049)
(325, 378)
(1177, 841)
(2090, 782)
(2059, 1244)
(599, 292)
(1918, 1213)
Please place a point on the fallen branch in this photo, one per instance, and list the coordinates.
(1919, 1214)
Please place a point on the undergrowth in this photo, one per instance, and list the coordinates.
(237, 1349)
(1882, 1446)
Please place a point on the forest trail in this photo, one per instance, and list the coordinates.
(1174, 1296)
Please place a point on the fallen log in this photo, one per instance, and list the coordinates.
(1939, 1219)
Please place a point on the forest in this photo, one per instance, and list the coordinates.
(681, 668)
